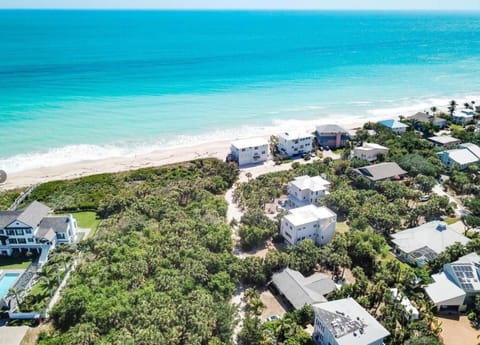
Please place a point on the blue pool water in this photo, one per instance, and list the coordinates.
(76, 85)
(6, 282)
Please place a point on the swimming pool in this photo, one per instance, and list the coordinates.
(6, 282)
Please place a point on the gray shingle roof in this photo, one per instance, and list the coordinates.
(6, 217)
(33, 214)
(57, 224)
(381, 171)
(300, 290)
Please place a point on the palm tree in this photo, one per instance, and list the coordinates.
(434, 110)
(466, 105)
(452, 106)
(15, 293)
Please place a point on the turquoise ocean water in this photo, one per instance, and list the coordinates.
(93, 84)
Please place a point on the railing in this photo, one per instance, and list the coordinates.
(22, 197)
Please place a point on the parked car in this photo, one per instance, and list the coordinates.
(424, 198)
(273, 318)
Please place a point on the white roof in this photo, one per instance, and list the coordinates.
(349, 323)
(462, 156)
(472, 148)
(251, 142)
(444, 139)
(463, 113)
(435, 235)
(444, 292)
(308, 214)
(464, 272)
(294, 135)
(314, 184)
(405, 302)
(371, 146)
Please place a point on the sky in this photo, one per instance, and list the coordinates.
(247, 4)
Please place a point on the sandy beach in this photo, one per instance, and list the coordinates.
(218, 150)
(214, 149)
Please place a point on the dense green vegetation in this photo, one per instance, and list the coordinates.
(160, 270)
(8, 197)
(59, 261)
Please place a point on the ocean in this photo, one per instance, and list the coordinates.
(77, 85)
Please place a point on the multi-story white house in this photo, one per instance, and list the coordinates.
(249, 151)
(309, 222)
(369, 151)
(463, 117)
(345, 322)
(293, 144)
(33, 229)
(306, 190)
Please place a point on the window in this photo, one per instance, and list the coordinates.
(12, 240)
(22, 241)
(28, 231)
(10, 232)
(243, 150)
(19, 232)
(61, 235)
(30, 240)
(1, 232)
(263, 152)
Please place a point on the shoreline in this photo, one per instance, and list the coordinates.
(215, 149)
(170, 155)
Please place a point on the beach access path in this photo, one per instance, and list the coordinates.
(235, 212)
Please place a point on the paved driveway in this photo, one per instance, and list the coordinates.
(12, 335)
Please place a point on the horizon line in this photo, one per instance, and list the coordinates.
(237, 9)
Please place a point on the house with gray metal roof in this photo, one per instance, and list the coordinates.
(424, 242)
(345, 322)
(465, 155)
(34, 229)
(382, 172)
(299, 290)
(444, 141)
(331, 135)
(458, 284)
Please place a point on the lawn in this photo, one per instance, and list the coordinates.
(342, 227)
(87, 220)
(451, 221)
(14, 263)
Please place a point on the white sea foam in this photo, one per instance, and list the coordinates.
(363, 111)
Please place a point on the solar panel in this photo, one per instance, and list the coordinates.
(467, 286)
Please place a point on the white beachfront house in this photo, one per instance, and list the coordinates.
(309, 222)
(463, 117)
(34, 229)
(369, 151)
(293, 144)
(306, 190)
(345, 322)
(250, 151)
(444, 141)
(465, 155)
